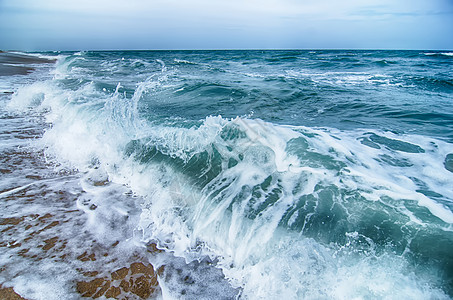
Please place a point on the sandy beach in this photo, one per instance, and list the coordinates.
(18, 64)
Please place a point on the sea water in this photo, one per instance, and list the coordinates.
(293, 174)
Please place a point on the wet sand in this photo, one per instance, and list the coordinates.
(19, 64)
(35, 238)
(41, 238)
(9, 294)
(6, 70)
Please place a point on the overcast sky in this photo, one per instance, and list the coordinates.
(225, 24)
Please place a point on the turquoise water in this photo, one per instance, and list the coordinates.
(302, 174)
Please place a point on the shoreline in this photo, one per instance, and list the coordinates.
(9, 294)
(19, 64)
(46, 233)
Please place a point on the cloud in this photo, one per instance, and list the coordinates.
(227, 24)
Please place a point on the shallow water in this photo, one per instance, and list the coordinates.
(296, 174)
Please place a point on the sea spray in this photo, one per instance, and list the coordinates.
(306, 180)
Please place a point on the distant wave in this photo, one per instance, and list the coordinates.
(439, 54)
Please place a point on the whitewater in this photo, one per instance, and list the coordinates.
(228, 175)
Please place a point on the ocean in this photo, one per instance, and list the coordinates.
(277, 174)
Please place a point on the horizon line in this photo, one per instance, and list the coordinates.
(227, 49)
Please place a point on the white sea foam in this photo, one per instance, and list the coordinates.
(183, 61)
(80, 137)
(246, 247)
(439, 53)
(344, 78)
(224, 219)
(39, 55)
